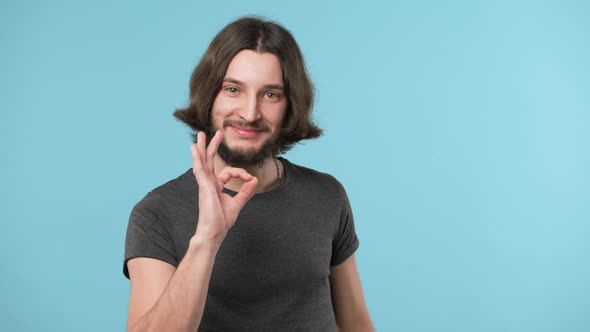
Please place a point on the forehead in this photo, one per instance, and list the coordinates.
(255, 68)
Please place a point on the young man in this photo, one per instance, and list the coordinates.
(246, 240)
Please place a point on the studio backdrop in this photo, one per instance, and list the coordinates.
(460, 130)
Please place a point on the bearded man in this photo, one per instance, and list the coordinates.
(246, 240)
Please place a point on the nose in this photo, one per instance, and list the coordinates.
(250, 111)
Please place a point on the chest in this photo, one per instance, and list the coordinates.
(274, 247)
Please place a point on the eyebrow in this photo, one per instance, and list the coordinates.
(266, 86)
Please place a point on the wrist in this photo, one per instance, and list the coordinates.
(201, 242)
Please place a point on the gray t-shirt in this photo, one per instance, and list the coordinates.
(272, 270)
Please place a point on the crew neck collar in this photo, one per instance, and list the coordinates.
(285, 183)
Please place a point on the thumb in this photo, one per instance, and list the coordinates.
(246, 192)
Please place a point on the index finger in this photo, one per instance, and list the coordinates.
(212, 150)
(197, 162)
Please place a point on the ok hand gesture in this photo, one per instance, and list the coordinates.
(217, 210)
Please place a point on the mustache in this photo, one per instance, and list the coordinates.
(247, 125)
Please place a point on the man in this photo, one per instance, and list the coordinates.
(246, 240)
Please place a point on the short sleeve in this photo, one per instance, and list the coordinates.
(345, 241)
(147, 235)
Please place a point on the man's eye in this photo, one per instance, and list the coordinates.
(272, 95)
(231, 90)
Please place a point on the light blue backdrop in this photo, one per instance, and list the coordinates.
(460, 130)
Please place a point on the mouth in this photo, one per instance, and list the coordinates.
(246, 129)
(246, 132)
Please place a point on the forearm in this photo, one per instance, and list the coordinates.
(355, 321)
(181, 304)
(358, 327)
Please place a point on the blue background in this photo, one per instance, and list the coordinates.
(460, 130)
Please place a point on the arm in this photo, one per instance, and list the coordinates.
(167, 299)
(164, 298)
(348, 301)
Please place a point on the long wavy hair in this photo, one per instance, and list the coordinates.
(259, 35)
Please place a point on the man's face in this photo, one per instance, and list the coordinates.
(250, 108)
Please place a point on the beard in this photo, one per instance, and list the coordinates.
(244, 157)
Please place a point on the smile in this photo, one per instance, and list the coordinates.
(246, 132)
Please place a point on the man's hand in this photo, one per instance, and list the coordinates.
(218, 211)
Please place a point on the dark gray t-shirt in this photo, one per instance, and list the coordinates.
(272, 270)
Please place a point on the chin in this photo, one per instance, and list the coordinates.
(242, 155)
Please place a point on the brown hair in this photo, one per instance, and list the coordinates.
(252, 33)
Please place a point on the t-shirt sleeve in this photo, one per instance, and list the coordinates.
(147, 235)
(345, 241)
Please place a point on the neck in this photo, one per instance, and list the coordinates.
(266, 173)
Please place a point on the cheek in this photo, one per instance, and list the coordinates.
(281, 115)
(276, 111)
(222, 105)
(221, 108)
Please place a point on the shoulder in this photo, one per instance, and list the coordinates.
(314, 179)
(180, 190)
